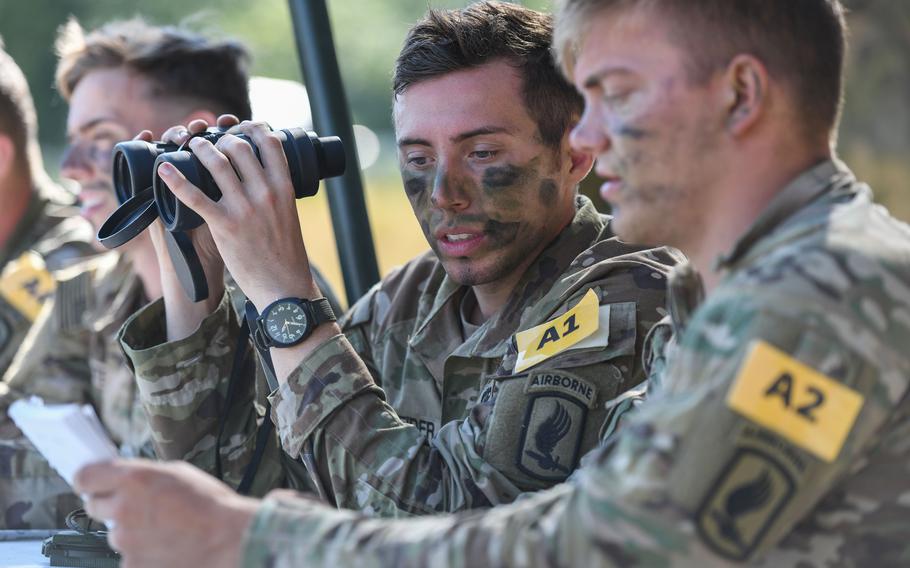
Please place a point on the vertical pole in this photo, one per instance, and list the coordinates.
(331, 117)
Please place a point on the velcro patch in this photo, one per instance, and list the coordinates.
(541, 342)
(560, 381)
(26, 284)
(795, 401)
(551, 436)
(745, 500)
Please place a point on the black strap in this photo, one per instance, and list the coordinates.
(238, 364)
(265, 428)
(262, 438)
(251, 317)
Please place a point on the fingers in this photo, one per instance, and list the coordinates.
(226, 121)
(101, 477)
(241, 155)
(176, 135)
(180, 134)
(272, 153)
(197, 126)
(187, 193)
(145, 136)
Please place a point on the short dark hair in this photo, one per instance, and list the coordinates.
(451, 40)
(177, 62)
(18, 119)
(801, 42)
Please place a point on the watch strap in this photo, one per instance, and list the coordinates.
(322, 311)
(318, 310)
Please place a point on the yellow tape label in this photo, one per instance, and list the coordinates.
(26, 284)
(541, 342)
(795, 401)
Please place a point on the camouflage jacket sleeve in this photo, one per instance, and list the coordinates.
(370, 459)
(183, 386)
(769, 406)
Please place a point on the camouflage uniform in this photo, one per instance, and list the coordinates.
(49, 236)
(778, 436)
(71, 354)
(454, 425)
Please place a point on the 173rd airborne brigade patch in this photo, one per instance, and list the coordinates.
(557, 402)
(794, 401)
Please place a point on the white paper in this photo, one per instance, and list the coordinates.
(69, 436)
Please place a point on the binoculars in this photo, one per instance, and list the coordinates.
(144, 197)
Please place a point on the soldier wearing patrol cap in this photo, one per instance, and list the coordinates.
(39, 231)
(776, 430)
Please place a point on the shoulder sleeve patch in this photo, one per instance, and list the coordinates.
(795, 401)
(26, 284)
(745, 501)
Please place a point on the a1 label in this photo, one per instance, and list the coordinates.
(541, 342)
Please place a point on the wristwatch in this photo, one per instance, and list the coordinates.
(288, 321)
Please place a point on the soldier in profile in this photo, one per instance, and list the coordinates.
(121, 78)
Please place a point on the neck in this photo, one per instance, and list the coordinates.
(145, 264)
(737, 202)
(16, 194)
(493, 296)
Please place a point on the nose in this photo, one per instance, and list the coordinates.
(75, 164)
(590, 135)
(449, 192)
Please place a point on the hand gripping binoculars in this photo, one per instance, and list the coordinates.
(144, 197)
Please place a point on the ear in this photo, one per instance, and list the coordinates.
(745, 93)
(7, 156)
(578, 162)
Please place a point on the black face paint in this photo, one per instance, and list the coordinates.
(501, 177)
(414, 185)
(501, 233)
(547, 191)
(626, 131)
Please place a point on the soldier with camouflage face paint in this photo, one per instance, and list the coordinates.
(776, 429)
(117, 79)
(487, 366)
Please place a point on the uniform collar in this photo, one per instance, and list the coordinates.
(128, 298)
(439, 335)
(685, 292)
(806, 188)
(19, 236)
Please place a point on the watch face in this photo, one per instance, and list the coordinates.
(286, 323)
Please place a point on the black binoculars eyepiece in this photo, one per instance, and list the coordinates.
(144, 196)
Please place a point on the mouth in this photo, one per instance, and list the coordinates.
(610, 187)
(91, 204)
(459, 241)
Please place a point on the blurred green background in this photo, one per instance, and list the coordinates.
(874, 140)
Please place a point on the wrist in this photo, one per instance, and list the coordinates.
(236, 521)
(304, 288)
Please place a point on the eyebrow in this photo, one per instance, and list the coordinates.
(483, 130)
(594, 79)
(89, 125)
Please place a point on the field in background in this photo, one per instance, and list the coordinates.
(396, 234)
